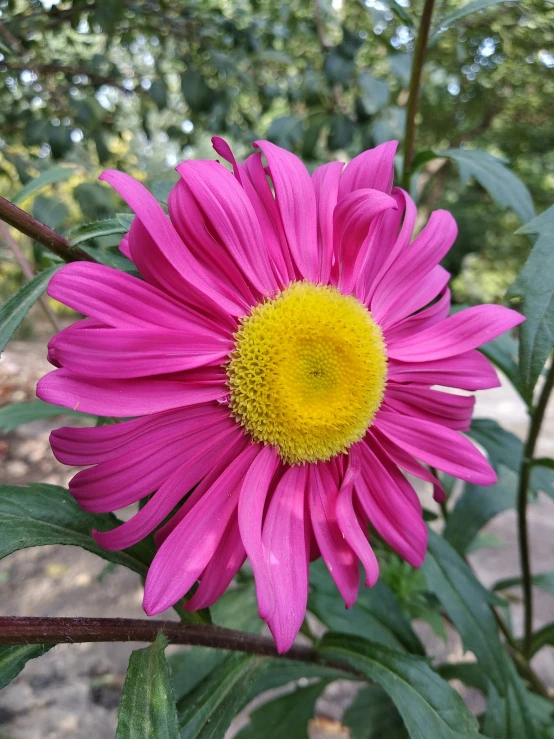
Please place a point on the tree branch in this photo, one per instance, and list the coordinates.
(38, 231)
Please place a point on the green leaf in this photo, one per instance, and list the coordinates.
(543, 462)
(14, 658)
(476, 507)
(508, 716)
(158, 93)
(286, 716)
(504, 448)
(505, 188)
(470, 673)
(16, 308)
(376, 615)
(50, 177)
(17, 414)
(427, 704)
(373, 715)
(161, 190)
(468, 604)
(47, 514)
(503, 353)
(337, 68)
(535, 287)
(196, 91)
(147, 709)
(341, 132)
(542, 638)
(110, 258)
(208, 710)
(96, 229)
(51, 211)
(466, 10)
(375, 93)
(286, 131)
(544, 581)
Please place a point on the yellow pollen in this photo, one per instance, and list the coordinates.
(308, 372)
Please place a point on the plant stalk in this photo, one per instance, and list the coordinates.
(415, 83)
(26, 224)
(537, 416)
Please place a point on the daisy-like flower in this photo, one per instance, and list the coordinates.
(280, 360)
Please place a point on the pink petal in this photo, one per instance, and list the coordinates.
(250, 515)
(295, 198)
(124, 247)
(230, 217)
(260, 194)
(193, 467)
(221, 569)
(335, 550)
(226, 153)
(424, 319)
(406, 462)
(373, 168)
(459, 333)
(467, 371)
(437, 445)
(352, 219)
(129, 397)
(158, 251)
(326, 186)
(85, 446)
(451, 410)
(187, 550)
(286, 540)
(413, 264)
(137, 472)
(351, 529)
(388, 499)
(117, 299)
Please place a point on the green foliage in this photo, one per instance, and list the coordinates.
(535, 288)
(147, 707)
(427, 704)
(16, 308)
(18, 414)
(43, 514)
(13, 659)
(373, 715)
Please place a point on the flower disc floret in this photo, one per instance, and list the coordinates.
(308, 372)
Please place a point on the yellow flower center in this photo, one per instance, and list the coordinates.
(308, 372)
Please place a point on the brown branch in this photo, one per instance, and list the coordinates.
(26, 224)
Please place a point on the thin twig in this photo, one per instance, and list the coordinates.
(537, 416)
(38, 231)
(415, 82)
(28, 272)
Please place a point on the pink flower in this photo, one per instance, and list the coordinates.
(279, 360)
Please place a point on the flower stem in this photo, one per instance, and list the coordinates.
(537, 416)
(415, 82)
(47, 630)
(38, 231)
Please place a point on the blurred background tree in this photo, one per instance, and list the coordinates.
(141, 85)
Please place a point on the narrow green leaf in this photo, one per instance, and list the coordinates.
(543, 462)
(470, 673)
(47, 514)
(17, 414)
(110, 258)
(466, 10)
(534, 286)
(14, 658)
(476, 507)
(468, 604)
(544, 581)
(89, 231)
(50, 177)
(427, 704)
(377, 615)
(508, 716)
(208, 710)
(16, 308)
(542, 638)
(286, 716)
(503, 353)
(147, 709)
(373, 715)
(505, 188)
